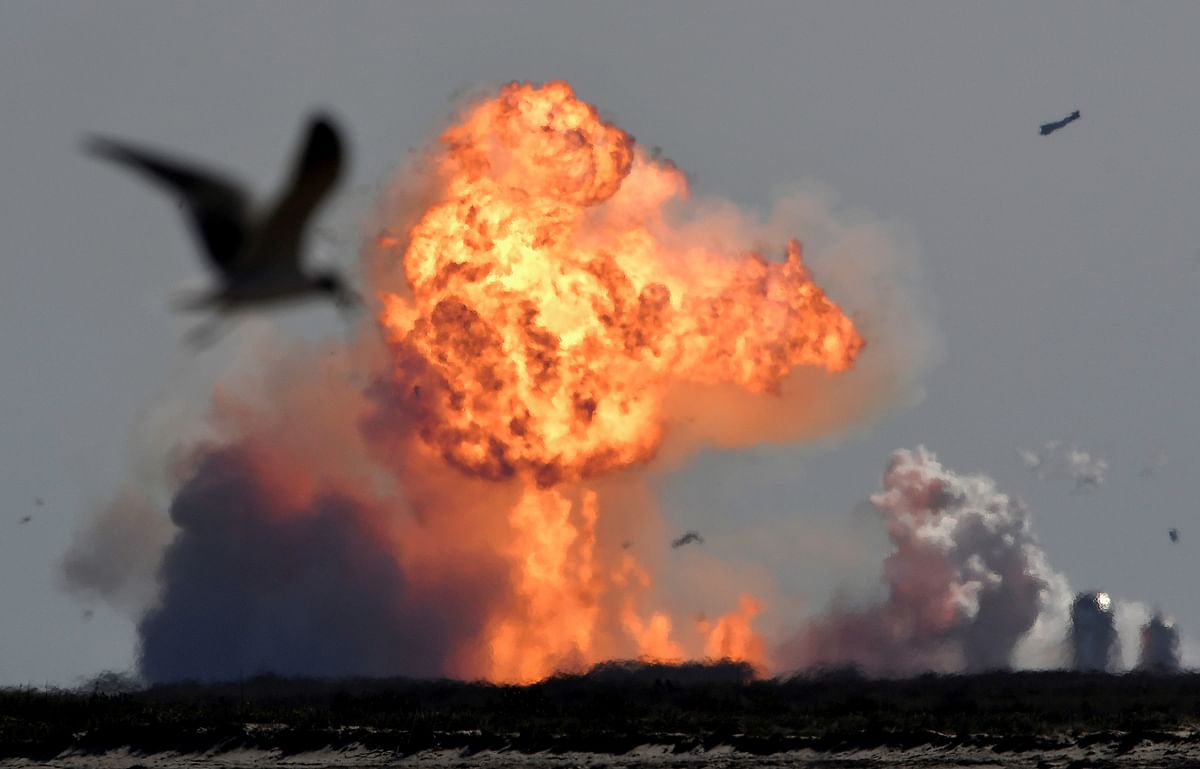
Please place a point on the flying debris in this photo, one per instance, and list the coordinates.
(1173, 534)
(1049, 128)
(687, 539)
(257, 258)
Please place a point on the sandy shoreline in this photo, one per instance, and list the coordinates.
(1110, 749)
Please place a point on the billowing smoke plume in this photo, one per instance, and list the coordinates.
(965, 582)
(448, 494)
(252, 584)
(1093, 638)
(1056, 461)
(1160, 645)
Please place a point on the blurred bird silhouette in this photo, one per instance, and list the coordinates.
(257, 256)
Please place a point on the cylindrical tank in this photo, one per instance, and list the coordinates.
(1093, 632)
(1160, 645)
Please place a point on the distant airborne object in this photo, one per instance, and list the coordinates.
(687, 539)
(257, 256)
(1173, 534)
(1049, 128)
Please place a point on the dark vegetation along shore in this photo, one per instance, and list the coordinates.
(611, 710)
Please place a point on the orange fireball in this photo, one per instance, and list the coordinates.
(551, 306)
(550, 317)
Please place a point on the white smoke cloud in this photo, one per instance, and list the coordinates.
(966, 581)
(1189, 652)
(1129, 617)
(115, 556)
(967, 587)
(1058, 461)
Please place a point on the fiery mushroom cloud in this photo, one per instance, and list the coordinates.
(547, 320)
(543, 317)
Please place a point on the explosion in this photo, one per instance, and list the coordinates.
(547, 320)
(555, 313)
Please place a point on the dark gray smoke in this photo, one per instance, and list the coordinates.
(965, 582)
(1093, 634)
(249, 586)
(1160, 645)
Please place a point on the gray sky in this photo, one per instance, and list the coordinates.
(1064, 268)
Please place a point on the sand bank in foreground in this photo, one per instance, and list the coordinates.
(929, 751)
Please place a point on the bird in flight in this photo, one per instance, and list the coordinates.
(687, 539)
(1049, 128)
(1173, 534)
(257, 255)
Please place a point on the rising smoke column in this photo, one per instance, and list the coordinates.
(965, 581)
(555, 313)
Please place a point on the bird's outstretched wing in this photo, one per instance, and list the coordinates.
(316, 172)
(217, 207)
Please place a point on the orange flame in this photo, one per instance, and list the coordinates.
(553, 625)
(552, 305)
(731, 636)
